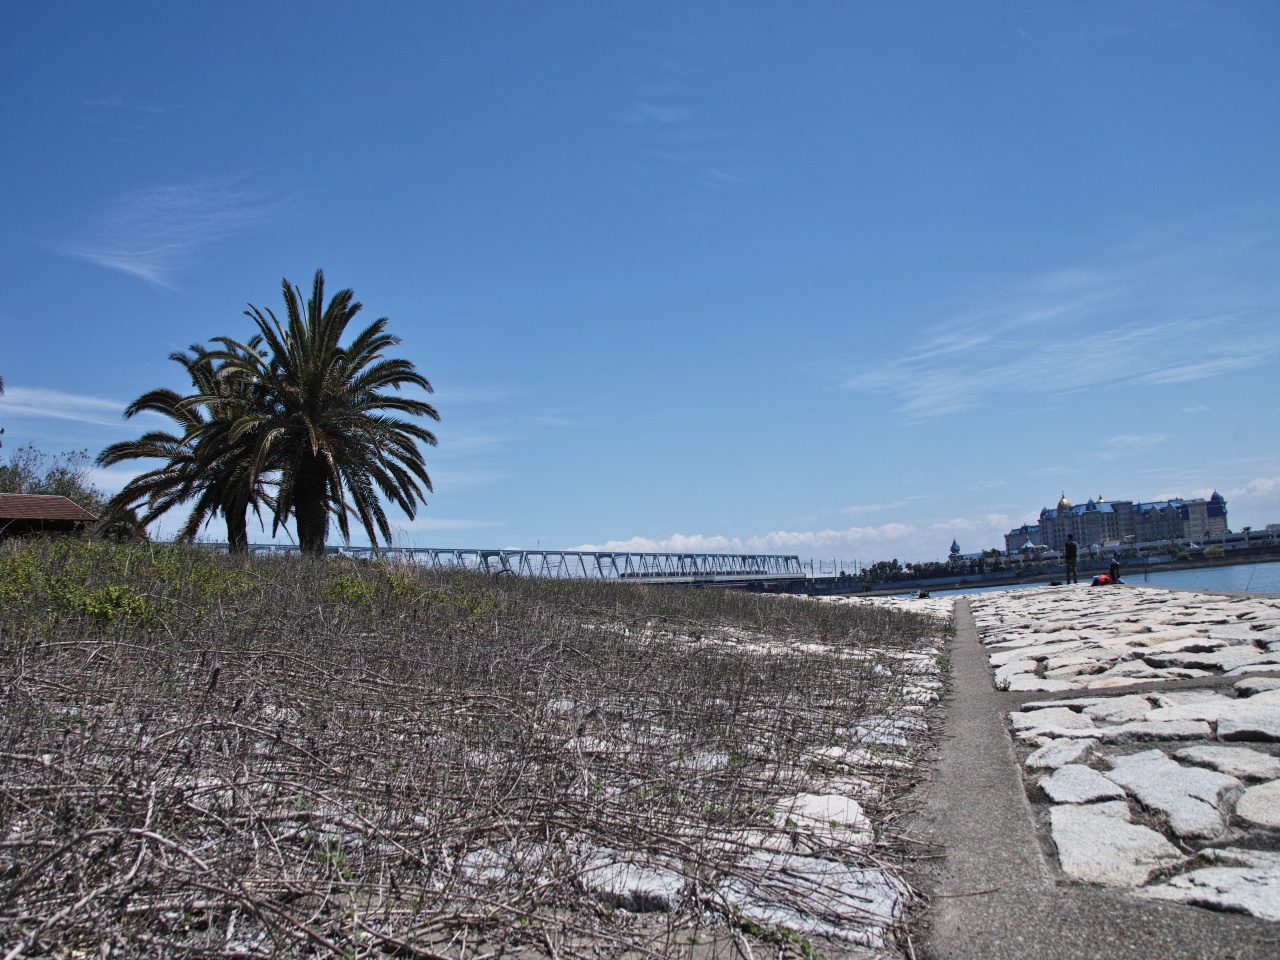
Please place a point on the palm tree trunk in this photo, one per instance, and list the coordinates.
(310, 508)
(236, 515)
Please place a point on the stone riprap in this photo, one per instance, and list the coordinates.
(1090, 638)
(1171, 788)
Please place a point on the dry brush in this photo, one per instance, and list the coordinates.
(205, 756)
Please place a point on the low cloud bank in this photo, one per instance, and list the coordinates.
(1254, 503)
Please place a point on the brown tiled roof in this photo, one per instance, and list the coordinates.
(31, 506)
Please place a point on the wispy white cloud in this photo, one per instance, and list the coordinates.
(153, 233)
(1136, 441)
(36, 403)
(1050, 470)
(421, 522)
(425, 530)
(451, 481)
(672, 131)
(641, 112)
(468, 444)
(111, 479)
(455, 395)
(859, 508)
(129, 113)
(673, 121)
(1127, 445)
(120, 103)
(881, 507)
(490, 435)
(1157, 313)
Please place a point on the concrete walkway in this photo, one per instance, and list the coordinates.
(994, 895)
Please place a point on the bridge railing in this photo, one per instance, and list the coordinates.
(581, 564)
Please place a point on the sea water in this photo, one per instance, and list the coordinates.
(1240, 577)
(1237, 578)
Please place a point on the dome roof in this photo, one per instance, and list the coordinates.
(1064, 503)
(1217, 497)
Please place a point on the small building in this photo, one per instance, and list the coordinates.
(1023, 538)
(22, 514)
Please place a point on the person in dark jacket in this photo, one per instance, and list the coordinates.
(1115, 568)
(1071, 552)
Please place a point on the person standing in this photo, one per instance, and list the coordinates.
(1115, 568)
(1071, 552)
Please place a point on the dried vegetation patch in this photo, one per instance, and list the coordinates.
(204, 756)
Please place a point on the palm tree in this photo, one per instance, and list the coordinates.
(323, 420)
(202, 461)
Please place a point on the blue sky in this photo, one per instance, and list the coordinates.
(837, 279)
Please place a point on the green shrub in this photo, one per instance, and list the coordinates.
(107, 602)
(352, 590)
(106, 581)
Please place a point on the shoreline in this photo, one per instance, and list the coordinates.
(908, 586)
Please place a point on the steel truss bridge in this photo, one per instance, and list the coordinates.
(729, 569)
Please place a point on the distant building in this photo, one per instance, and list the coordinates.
(1101, 521)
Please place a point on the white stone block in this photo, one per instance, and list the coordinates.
(1255, 685)
(1144, 731)
(1239, 762)
(809, 896)
(1249, 890)
(1097, 847)
(1061, 718)
(1060, 752)
(826, 814)
(1120, 709)
(1260, 805)
(1076, 783)
(1188, 796)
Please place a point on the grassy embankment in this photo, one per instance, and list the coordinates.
(205, 756)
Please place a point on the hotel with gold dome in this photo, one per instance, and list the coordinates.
(1122, 521)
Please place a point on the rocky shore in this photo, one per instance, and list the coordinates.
(1153, 763)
